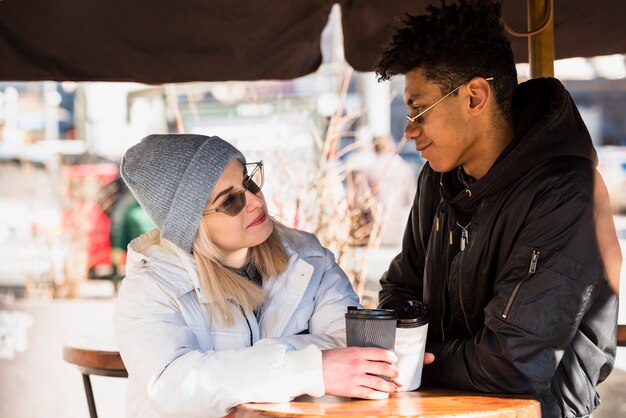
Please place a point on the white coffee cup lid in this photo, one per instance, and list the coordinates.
(413, 322)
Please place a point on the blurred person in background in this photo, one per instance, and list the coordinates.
(222, 305)
(510, 241)
(393, 184)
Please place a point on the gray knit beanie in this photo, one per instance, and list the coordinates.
(172, 177)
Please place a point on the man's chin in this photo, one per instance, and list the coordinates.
(440, 167)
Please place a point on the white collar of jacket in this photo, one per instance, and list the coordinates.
(150, 248)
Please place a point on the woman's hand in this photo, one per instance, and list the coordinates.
(350, 372)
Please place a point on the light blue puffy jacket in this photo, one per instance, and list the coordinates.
(182, 364)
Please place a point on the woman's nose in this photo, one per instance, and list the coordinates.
(254, 201)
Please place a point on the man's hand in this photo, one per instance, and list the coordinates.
(429, 358)
(349, 372)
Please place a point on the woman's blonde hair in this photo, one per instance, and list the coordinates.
(228, 292)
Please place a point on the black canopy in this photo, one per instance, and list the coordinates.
(157, 41)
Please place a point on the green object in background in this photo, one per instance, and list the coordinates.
(134, 222)
(129, 220)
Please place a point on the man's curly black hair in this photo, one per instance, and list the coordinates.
(452, 44)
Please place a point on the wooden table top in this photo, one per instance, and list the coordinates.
(423, 403)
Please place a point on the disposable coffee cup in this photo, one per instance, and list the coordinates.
(371, 328)
(410, 344)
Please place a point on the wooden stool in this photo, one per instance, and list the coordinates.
(97, 362)
(621, 335)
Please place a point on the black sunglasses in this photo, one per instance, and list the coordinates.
(236, 201)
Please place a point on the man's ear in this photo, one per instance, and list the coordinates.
(480, 94)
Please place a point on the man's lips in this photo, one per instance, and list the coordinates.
(421, 147)
(259, 220)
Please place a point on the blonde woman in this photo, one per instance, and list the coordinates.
(223, 305)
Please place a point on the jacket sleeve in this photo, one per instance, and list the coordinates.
(404, 279)
(327, 324)
(181, 380)
(537, 306)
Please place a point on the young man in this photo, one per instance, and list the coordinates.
(509, 241)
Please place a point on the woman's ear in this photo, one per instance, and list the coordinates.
(480, 94)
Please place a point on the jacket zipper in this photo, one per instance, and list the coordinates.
(534, 257)
(464, 236)
(249, 326)
(464, 242)
(445, 284)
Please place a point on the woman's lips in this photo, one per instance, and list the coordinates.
(259, 220)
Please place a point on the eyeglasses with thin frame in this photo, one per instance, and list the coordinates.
(413, 119)
(236, 201)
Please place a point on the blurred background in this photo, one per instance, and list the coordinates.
(336, 164)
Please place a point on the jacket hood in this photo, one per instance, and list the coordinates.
(547, 126)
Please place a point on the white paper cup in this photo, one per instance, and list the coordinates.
(410, 346)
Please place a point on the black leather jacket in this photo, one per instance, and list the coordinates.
(525, 306)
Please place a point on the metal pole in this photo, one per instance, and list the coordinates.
(89, 394)
(377, 98)
(52, 101)
(541, 45)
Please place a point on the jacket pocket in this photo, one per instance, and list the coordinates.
(299, 322)
(230, 340)
(203, 336)
(532, 268)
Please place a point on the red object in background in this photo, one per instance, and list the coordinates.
(98, 233)
(105, 173)
(98, 237)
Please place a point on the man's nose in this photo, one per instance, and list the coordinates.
(412, 130)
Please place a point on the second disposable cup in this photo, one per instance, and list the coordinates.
(410, 345)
